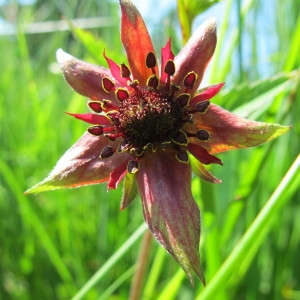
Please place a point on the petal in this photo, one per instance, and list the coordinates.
(117, 175)
(228, 131)
(136, 41)
(202, 155)
(115, 70)
(166, 55)
(206, 94)
(81, 165)
(92, 118)
(84, 78)
(196, 54)
(169, 209)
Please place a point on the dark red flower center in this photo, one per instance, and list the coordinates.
(148, 117)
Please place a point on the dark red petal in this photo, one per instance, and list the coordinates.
(92, 118)
(202, 155)
(117, 175)
(115, 70)
(136, 41)
(81, 165)
(207, 93)
(166, 55)
(169, 209)
(196, 54)
(84, 78)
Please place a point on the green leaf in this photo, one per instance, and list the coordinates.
(188, 10)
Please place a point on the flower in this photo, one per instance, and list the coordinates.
(150, 127)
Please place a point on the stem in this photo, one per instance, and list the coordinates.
(137, 281)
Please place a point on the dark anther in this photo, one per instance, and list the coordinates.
(107, 84)
(202, 106)
(95, 130)
(152, 81)
(202, 135)
(125, 72)
(170, 67)
(190, 80)
(95, 106)
(122, 94)
(133, 166)
(150, 60)
(180, 138)
(107, 152)
(123, 146)
(182, 157)
(183, 99)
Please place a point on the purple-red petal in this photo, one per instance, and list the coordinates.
(229, 131)
(83, 77)
(136, 41)
(196, 54)
(166, 55)
(202, 155)
(206, 94)
(81, 165)
(169, 209)
(117, 175)
(115, 70)
(92, 118)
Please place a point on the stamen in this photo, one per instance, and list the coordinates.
(153, 81)
(182, 156)
(202, 135)
(122, 94)
(183, 99)
(189, 80)
(151, 61)
(96, 106)
(133, 166)
(107, 85)
(123, 146)
(180, 138)
(108, 106)
(95, 130)
(202, 106)
(125, 72)
(170, 67)
(107, 152)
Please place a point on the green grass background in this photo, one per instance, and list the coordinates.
(52, 244)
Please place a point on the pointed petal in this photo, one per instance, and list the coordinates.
(84, 78)
(196, 54)
(117, 175)
(201, 171)
(92, 118)
(206, 94)
(202, 155)
(228, 131)
(166, 55)
(81, 165)
(169, 209)
(136, 41)
(129, 190)
(115, 70)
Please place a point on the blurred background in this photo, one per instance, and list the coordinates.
(51, 244)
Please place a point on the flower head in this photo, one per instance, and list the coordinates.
(147, 120)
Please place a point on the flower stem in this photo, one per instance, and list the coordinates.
(137, 281)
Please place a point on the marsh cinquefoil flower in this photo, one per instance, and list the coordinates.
(148, 121)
